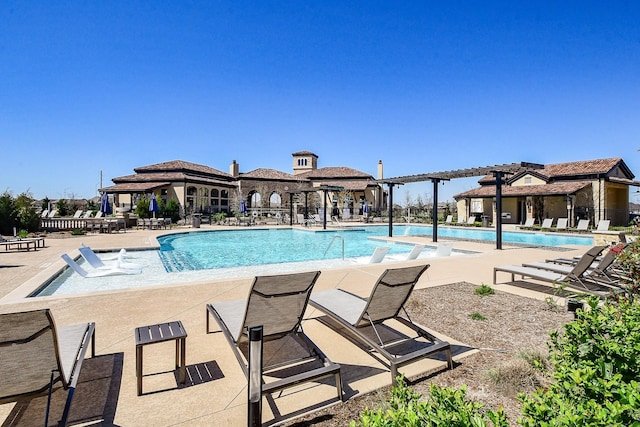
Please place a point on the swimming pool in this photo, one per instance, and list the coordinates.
(208, 255)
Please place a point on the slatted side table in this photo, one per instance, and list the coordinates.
(160, 333)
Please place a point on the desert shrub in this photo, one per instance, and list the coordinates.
(595, 371)
(629, 263)
(172, 210)
(142, 208)
(484, 290)
(514, 376)
(443, 407)
(477, 316)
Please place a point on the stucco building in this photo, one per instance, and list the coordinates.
(590, 189)
(203, 189)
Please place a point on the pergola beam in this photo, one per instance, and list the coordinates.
(498, 171)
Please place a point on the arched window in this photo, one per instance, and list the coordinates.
(275, 201)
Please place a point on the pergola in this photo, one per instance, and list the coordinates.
(325, 189)
(497, 171)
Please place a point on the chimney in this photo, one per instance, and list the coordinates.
(234, 169)
(380, 173)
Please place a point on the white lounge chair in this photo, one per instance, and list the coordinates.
(562, 223)
(44, 213)
(378, 254)
(95, 262)
(583, 225)
(52, 213)
(115, 271)
(444, 249)
(415, 252)
(77, 214)
(87, 215)
(448, 220)
(547, 223)
(603, 225)
(528, 223)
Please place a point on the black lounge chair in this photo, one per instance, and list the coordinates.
(358, 316)
(277, 303)
(574, 278)
(36, 356)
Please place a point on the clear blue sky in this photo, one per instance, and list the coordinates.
(90, 86)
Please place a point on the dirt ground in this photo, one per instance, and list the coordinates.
(513, 326)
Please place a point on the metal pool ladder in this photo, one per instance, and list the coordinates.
(331, 243)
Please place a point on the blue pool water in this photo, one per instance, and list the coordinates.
(233, 248)
(210, 255)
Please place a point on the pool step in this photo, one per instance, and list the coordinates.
(177, 261)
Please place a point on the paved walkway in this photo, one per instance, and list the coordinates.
(215, 393)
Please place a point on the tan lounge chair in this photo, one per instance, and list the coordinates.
(37, 357)
(277, 303)
(360, 317)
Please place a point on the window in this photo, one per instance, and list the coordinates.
(527, 180)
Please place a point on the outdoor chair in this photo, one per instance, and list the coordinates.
(277, 303)
(444, 249)
(448, 220)
(547, 223)
(528, 223)
(574, 278)
(562, 223)
(583, 225)
(415, 252)
(367, 320)
(603, 225)
(94, 261)
(113, 271)
(38, 357)
(378, 254)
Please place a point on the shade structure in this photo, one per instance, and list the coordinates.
(153, 205)
(243, 206)
(105, 206)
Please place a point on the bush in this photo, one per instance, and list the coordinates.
(443, 407)
(484, 290)
(596, 371)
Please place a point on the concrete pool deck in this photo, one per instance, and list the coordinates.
(215, 393)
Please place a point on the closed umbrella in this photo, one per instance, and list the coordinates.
(105, 206)
(365, 208)
(153, 205)
(243, 207)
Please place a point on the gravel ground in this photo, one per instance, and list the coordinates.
(493, 376)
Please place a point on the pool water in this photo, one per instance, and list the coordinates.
(209, 255)
(233, 248)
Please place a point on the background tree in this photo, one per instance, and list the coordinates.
(8, 215)
(26, 214)
(63, 207)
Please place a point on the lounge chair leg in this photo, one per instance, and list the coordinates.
(46, 412)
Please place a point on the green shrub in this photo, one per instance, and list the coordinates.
(477, 316)
(595, 371)
(484, 290)
(77, 232)
(443, 407)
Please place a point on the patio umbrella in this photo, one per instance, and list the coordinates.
(243, 206)
(365, 208)
(105, 207)
(153, 205)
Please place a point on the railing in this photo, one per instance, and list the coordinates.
(331, 243)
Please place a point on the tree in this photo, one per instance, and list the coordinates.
(26, 214)
(8, 217)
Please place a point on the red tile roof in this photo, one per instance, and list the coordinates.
(180, 165)
(333, 172)
(553, 189)
(263, 173)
